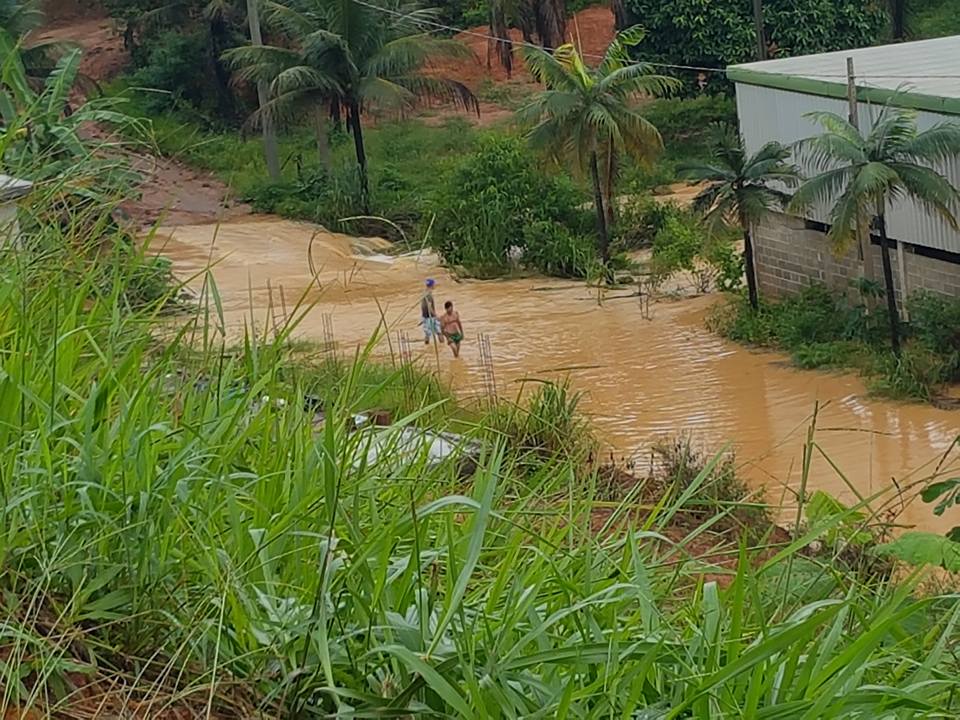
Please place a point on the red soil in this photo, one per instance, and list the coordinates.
(591, 30)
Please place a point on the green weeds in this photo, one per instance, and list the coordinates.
(823, 330)
(178, 524)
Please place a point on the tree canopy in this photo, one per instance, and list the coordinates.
(720, 32)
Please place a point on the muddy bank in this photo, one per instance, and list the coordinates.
(643, 378)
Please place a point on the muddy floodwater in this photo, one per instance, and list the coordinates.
(643, 377)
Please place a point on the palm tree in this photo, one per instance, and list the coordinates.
(590, 116)
(538, 20)
(743, 188)
(358, 55)
(861, 175)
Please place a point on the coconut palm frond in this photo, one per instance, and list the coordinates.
(547, 69)
(845, 217)
(929, 189)
(825, 151)
(642, 140)
(638, 79)
(260, 58)
(617, 55)
(385, 94)
(707, 172)
(941, 142)
(500, 30)
(413, 52)
(823, 188)
(443, 89)
(302, 77)
(288, 19)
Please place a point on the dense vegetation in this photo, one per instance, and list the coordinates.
(821, 329)
(932, 18)
(183, 528)
(721, 33)
(192, 527)
(498, 208)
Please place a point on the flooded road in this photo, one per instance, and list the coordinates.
(643, 379)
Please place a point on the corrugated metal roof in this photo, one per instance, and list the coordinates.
(929, 68)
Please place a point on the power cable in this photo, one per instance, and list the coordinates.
(671, 66)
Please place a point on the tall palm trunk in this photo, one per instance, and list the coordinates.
(620, 15)
(226, 103)
(749, 264)
(323, 143)
(888, 280)
(354, 120)
(608, 180)
(898, 12)
(604, 238)
(335, 114)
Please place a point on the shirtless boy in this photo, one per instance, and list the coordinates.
(451, 327)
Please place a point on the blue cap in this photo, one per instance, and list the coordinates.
(431, 282)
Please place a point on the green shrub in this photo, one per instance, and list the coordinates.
(935, 323)
(684, 123)
(497, 204)
(727, 262)
(176, 69)
(313, 195)
(639, 220)
(548, 425)
(679, 467)
(682, 244)
(918, 373)
(678, 244)
(555, 250)
(721, 32)
(822, 329)
(830, 354)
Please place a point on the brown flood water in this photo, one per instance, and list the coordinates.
(642, 379)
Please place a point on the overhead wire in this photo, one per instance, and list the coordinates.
(672, 66)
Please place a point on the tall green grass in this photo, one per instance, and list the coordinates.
(172, 534)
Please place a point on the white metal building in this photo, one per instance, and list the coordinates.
(774, 99)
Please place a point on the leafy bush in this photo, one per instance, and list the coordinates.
(678, 466)
(727, 263)
(640, 219)
(682, 244)
(823, 329)
(547, 426)
(497, 204)
(176, 69)
(684, 123)
(313, 195)
(678, 244)
(554, 249)
(935, 323)
(918, 373)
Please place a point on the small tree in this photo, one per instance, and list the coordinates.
(742, 189)
(356, 54)
(589, 116)
(861, 174)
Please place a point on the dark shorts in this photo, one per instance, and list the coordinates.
(456, 338)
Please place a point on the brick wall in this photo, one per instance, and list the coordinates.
(789, 257)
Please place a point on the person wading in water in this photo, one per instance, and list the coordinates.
(452, 327)
(428, 314)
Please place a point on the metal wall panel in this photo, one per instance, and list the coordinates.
(770, 114)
